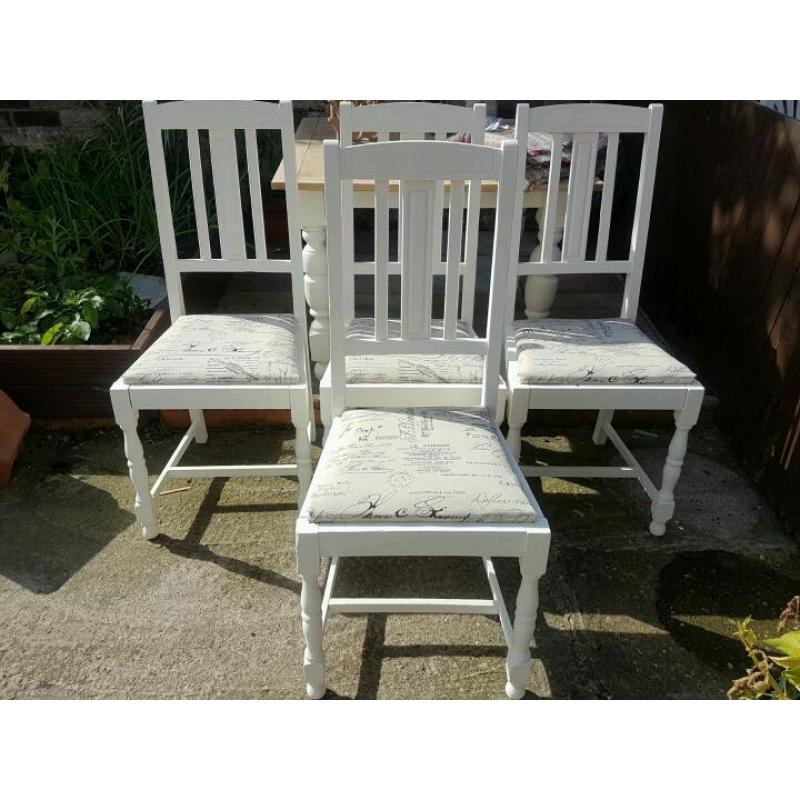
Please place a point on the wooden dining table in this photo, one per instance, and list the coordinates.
(312, 132)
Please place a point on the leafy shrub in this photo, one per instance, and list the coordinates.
(71, 316)
(775, 674)
(73, 216)
(98, 193)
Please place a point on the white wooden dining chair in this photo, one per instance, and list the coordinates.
(434, 379)
(419, 480)
(220, 361)
(603, 364)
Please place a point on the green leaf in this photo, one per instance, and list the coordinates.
(8, 318)
(792, 676)
(79, 330)
(47, 312)
(89, 313)
(789, 644)
(29, 304)
(51, 334)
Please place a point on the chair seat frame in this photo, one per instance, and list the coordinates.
(684, 400)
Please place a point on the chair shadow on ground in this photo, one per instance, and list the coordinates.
(43, 544)
(686, 603)
(191, 546)
(440, 577)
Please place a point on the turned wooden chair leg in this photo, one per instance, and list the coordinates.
(519, 662)
(199, 422)
(663, 506)
(308, 561)
(517, 415)
(127, 418)
(302, 444)
(604, 417)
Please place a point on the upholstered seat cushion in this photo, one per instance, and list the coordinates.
(603, 351)
(416, 465)
(415, 368)
(221, 349)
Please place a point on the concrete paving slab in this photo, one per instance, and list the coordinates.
(210, 608)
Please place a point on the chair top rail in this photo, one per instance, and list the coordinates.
(420, 161)
(590, 118)
(214, 114)
(425, 117)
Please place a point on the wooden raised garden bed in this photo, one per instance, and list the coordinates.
(72, 381)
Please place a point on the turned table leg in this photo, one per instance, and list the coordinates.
(315, 267)
(540, 290)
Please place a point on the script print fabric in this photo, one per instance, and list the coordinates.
(414, 367)
(602, 351)
(416, 465)
(222, 349)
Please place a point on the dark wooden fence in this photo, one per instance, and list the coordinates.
(722, 276)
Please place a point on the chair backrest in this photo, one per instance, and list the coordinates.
(410, 121)
(582, 124)
(221, 119)
(414, 169)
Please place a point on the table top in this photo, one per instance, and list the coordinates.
(313, 131)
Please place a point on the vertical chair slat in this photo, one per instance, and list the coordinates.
(225, 168)
(198, 193)
(293, 216)
(348, 250)
(335, 217)
(551, 207)
(346, 123)
(348, 245)
(381, 302)
(454, 225)
(473, 220)
(404, 136)
(582, 172)
(438, 223)
(609, 179)
(521, 135)
(256, 205)
(417, 201)
(501, 261)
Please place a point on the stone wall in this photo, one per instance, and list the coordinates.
(37, 123)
